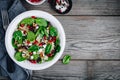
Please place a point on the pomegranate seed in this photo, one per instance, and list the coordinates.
(35, 42)
(45, 37)
(33, 17)
(28, 42)
(22, 25)
(54, 39)
(50, 55)
(40, 44)
(33, 61)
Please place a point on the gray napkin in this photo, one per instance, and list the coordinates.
(14, 8)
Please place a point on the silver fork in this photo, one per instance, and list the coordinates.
(5, 21)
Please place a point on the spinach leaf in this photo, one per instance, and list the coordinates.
(28, 21)
(41, 22)
(18, 56)
(66, 59)
(13, 43)
(17, 35)
(53, 31)
(33, 48)
(48, 48)
(30, 36)
(35, 56)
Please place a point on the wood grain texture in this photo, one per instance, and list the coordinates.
(76, 70)
(92, 37)
(84, 7)
(106, 70)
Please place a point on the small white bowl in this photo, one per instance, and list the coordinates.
(13, 25)
(38, 3)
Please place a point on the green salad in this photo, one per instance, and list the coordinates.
(35, 40)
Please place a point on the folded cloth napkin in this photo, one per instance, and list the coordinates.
(14, 8)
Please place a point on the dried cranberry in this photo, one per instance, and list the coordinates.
(31, 53)
(31, 28)
(24, 32)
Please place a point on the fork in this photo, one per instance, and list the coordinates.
(5, 21)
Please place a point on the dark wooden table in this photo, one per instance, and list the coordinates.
(93, 40)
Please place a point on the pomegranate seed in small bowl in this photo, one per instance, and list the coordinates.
(35, 2)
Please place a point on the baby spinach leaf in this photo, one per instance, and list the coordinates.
(17, 35)
(53, 31)
(35, 56)
(13, 43)
(18, 56)
(49, 59)
(28, 21)
(48, 48)
(41, 22)
(57, 49)
(33, 48)
(57, 42)
(30, 36)
(66, 59)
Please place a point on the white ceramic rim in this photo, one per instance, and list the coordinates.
(11, 28)
(38, 3)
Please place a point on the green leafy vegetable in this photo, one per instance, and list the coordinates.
(30, 36)
(28, 21)
(57, 48)
(41, 22)
(48, 48)
(13, 43)
(66, 59)
(57, 42)
(49, 58)
(33, 48)
(53, 31)
(35, 56)
(17, 35)
(18, 56)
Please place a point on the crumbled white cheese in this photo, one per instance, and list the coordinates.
(23, 55)
(40, 50)
(34, 52)
(37, 27)
(31, 57)
(45, 57)
(44, 46)
(30, 44)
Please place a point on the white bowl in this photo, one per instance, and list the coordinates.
(38, 3)
(13, 25)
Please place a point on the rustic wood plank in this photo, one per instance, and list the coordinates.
(84, 7)
(76, 70)
(106, 70)
(92, 37)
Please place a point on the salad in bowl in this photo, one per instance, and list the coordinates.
(35, 40)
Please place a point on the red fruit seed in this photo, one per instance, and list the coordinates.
(33, 61)
(33, 17)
